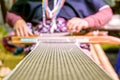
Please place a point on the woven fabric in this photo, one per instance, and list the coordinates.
(57, 61)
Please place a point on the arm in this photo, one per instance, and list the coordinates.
(18, 24)
(11, 18)
(102, 17)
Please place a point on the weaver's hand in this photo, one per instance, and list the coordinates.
(21, 28)
(76, 24)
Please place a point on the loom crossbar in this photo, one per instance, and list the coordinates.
(57, 61)
(68, 39)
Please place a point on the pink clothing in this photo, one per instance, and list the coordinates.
(11, 18)
(100, 18)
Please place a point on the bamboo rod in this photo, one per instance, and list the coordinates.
(94, 54)
(80, 39)
(105, 62)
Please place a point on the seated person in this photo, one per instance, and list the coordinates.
(28, 17)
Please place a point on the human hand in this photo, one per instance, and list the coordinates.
(76, 24)
(21, 28)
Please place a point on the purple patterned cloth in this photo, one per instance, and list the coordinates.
(40, 28)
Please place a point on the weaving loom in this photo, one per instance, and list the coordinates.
(58, 58)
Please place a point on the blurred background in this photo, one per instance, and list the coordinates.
(8, 60)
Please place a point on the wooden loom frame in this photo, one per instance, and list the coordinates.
(95, 41)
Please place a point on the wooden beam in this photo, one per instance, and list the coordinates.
(104, 62)
(80, 39)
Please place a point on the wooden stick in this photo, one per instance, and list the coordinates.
(80, 39)
(24, 40)
(94, 54)
(105, 62)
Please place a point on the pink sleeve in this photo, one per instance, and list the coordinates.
(11, 18)
(100, 18)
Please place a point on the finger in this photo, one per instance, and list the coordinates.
(25, 31)
(17, 32)
(30, 32)
(79, 27)
(70, 28)
(70, 25)
(21, 31)
(73, 29)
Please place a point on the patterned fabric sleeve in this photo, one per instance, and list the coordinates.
(11, 18)
(100, 18)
